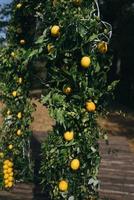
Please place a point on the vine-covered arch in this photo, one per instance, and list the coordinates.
(73, 40)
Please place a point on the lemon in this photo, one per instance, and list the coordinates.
(69, 135)
(6, 181)
(19, 5)
(85, 62)
(102, 47)
(6, 176)
(22, 42)
(5, 167)
(10, 184)
(10, 170)
(90, 106)
(20, 80)
(1, 155)
(5, 171)
(10, 164)
(13, 54)
(6, 162)
(14, 93)
(67, 90)
(8, 112)
(19, 132)
(75, 164)
(55, 31)
(10, 178)
(19, 115)
(10, 147)
(11, 174)
(50, 47)
(63, 185)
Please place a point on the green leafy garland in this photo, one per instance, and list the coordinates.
(15, 137)
(74, 43)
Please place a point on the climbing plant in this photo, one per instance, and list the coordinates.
(75, 43)
(72, 39)
(15, 135)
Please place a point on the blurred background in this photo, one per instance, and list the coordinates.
(120, 14)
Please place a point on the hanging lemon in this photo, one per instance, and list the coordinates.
(50, 47)
(19, 115)
(19, 5)
(85, 62)
(19, 132)
(8, 112)
(20, 80)
(63, 185)
(22, 42)
(10, 164)
(90, 106)
(55, 31)
(13, 54)
(67, 90)
(75, 164)
(69, 135)
(14, 93)
(10, 147)
(102, 47)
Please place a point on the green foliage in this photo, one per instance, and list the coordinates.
(80, 32)
(14, 86)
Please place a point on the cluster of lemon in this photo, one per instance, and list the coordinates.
(90, 105)
(74, 164)
(8, 173)
(85, 62)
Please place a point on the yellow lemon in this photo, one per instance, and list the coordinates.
(19, 132)
(69, 135)
(55, 31)
(11, 174)
(5, 171)
(50, 47)
(102, 47)
(19, 5)
(19, 115)
(8, 112)
(22, 42)
(85, 62)
(6, 181)
(90, 106)
(5, 167)
(14, 93)
(10, 170)
(20, 80)
(63, 185)
(6, 162)
(75, 164)
(77, 2)
(1, 155)
(10, 179)
(13, 54)
(10, 164)
(10, 147)
(67, 90)
(10, 184)
(6, 176)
